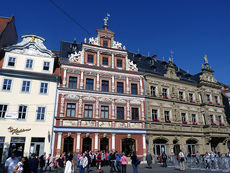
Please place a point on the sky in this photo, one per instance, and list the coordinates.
(189, 28)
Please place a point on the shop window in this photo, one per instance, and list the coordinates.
(29, 63)
(22, 112)
(88, 111)
(120, 113)
(41, 113)
(134, 89)
(119, 63)
(11, 61)
(105, 112)
(46, 66)
(135, 114)
(105, 61)
(90, 59)
(105, 85)
(7, 84)
(89, 84)
(72, 82)
(70, 109)
(26, 86)
(3, 109)
(120, 87)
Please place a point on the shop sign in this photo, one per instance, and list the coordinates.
(2, 139)
(18, 140)
(16, 131)
(11, 115)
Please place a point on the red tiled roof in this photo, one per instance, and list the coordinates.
(3, 22)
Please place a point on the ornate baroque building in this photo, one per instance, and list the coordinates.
(101, 104)
(184, 111)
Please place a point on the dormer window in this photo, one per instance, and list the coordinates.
(11, 61)
(119, 63)
(46, 66)
(105, 43)
(90, 59)
(105, 61)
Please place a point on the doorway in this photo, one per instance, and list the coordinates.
(17, 145)
(128, 146)
(104, 144)
(159, 146)
(86, 144)
(37, 146)
(68, 145)
(176, 147)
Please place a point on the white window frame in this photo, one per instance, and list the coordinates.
(1, 113)
(10, 61)
(23, 112)
(7, 84)
(40, 113)
(30, 64)
(26, 86)
(43, 88)
(44, 63)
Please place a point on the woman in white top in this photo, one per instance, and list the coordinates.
(68, 167)
(19, 166)
(181, 156)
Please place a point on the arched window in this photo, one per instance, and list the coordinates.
(191, 143)
(159, 146)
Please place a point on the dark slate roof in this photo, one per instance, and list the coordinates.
(68, 48)
(159, 67)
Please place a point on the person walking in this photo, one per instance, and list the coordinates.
(149, 160)
(33, 164)
(135, 162)
(10, 163)
(48, 162)
(42, 161)
(118, 162)
(68, 167)
(60, 164)
(19, 166)
(164, 159)
(181, 159)
(124, 163)
(83, 163)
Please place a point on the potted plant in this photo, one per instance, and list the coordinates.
(218, 103)
(181, 99)
(221, 124)
(213, 123)
(185, 122)
(168, 121)
(194, 123)
(210, 102)
(165, 97)
(192, 101)
(156, 120)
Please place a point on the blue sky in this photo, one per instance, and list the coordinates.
(191, 28)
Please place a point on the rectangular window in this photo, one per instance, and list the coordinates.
(3, 109)
(22, 112)
(212, 118)
(190, 96)
(26, 86)
(135, 114)
(104, 111)
(88, 111)
(119, 63)
(216, 99)
(105, 43)
(90, 59)
(41, 113)
(120, 87)
(194, 118)
(120, 113)
(153, 90)
(183, 117)
(181, 95)
(29, 63)
(44, 88)
(11, 61)
(208, 97)
(89, 84)
(7, 84)
(105, 61)
(154, 115)
(220, 119)
(134, 89)
(165, 92)
(70, 109)
(46, 66)
(167, 116)
(105, 85)
(72, 82)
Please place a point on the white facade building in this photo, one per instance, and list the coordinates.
(28, 84)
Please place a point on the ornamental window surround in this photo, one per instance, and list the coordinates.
(70, 109)
(181, 95)
(164, 92)
(212, 118)
(194, 118)
(216, 99)
(191, 96)
(88, 111)
(135, 114)
(72, 82)
(208, 97)
(105, 85)
(105, 112)
(153, 91)
(154, 114)
(220, 119)
(167, 116)
(183, 117)
(120, 113)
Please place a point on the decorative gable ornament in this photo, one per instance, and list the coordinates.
(31, 45)
(118, 45)
(171, 72)
(130, 65)
(94, 41)
(76, 57)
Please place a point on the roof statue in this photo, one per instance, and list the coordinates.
(205, 59)
(106, 19)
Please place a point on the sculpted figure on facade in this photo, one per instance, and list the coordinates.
(75, 57)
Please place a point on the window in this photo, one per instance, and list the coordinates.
(154, 114)
(72, 82)
(29, 63)
(119, 63)
(167, 116)
(41, 113)
(212, 118)
(90, 59)
(105, 61)
(135, 114)
(165, 92)
(190, 96)
(25, 86)
(3, 109)
(22, 112)
(120, 87)
(104, 111)
(153, 90)
(70, 109)
(194, 118)
(11, 61)
(181, 95)
(208, 98)
(105, 43)
(183, 117)
(105, 85)
(89, 84)
(120, 113)
(88, 111)
(7, 84)
(46, 66)
(220, 119)
(216, 99)
(134, 88)
(44, 88)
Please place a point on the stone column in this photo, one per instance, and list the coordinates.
(113, 84)
(62, 106)
(144, 144)
(113, 141)
(113, 61)
(98, 58)
(80, 107)
(78, 142)
(82, 82)
(113, 109)
(127, 85)
(98, 82)
(96, 142)
(97, 108)
(64, 77)
(128, 110)
(59, 143)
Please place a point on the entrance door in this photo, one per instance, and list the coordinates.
(86, 144)
(128, 146)
(37, 146)
(104, 144)
(68, 145)
(159, 146)
(176, 149)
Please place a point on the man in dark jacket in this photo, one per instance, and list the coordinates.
(149, 160)
(164, 158)
(33, 164)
